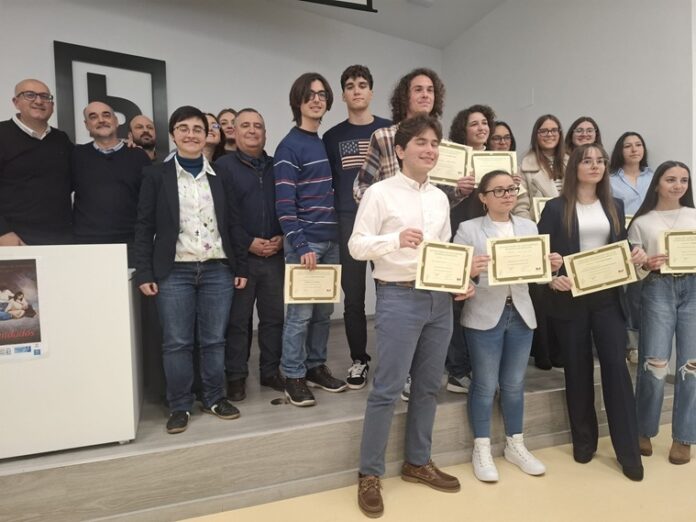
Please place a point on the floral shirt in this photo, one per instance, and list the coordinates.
(199, 238)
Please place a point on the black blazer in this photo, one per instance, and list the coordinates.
(157, 228)
(561, 304)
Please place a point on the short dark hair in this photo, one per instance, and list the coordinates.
(413, 127)
(617, 159)
(301, 91)
(223, 111)
(457, 131)
(569, 136)
(356, 71)
(513, 143)
(400, 96)
(184, 113)
(249, 109)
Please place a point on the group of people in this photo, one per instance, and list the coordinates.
(210, 229)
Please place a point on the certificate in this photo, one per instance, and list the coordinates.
(481, 162)
(601, 268)
(444, 267)
(321, 285)
(680, 248)
(451, 163)
(538, 204)
(523, 259)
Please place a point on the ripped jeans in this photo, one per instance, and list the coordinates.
(668, 308)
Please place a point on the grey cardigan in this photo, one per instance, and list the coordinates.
(483, 310)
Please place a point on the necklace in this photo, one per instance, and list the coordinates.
(666, 223)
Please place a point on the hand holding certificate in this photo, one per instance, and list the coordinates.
(451, 163)
(523, 259)
(444, 267)
(680, 248)
(304, 286)
(481, 162)
(600, 269)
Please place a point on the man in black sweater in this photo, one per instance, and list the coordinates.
(34, 172)
(106, 180)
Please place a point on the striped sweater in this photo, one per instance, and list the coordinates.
(304, 191)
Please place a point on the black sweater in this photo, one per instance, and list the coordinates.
(35, 185)
(106, 193)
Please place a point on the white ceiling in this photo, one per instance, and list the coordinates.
(436, 26)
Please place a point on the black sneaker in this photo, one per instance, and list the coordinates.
(223, 409)
(235, 389)
(275, 381)
(357, 375)
(297, 392)
(178, 422)
(320, 377)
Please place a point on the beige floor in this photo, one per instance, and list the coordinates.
(594, 492)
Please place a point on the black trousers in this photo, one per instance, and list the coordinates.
(353, 285)
(545, 345)
(265, 288)
(598, 316)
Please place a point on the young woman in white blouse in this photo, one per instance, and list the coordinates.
(668, 309)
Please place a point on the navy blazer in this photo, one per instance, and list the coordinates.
(561, 304)
(157, 228)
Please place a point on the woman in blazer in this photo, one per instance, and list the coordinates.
(188, 256)
(498, 323)
(584, 217)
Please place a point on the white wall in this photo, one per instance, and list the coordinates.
(626, 63)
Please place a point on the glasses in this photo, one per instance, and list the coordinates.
(588, 162)
(501, 192)
(31, 96)
(499, 139)
(322, 95)
(580, 132)
(549, 132)
(185, 129)
(214, 126)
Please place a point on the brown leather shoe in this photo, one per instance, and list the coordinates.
(370, 496)
(645, 446)
(430, 475)
(679, 453)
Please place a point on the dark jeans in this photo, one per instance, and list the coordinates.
(200, 295)
(458, 363)
(265, 288)
(599, 316)
(353, 285)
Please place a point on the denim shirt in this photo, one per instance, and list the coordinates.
(625, 191)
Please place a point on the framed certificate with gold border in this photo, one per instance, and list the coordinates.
(680, 248)
(538, 204)
(444, 267)
(599, 269)
(481, 162)
(523, 259)
(451, 163)
(304, 286)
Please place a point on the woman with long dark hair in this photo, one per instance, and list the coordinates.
(668, 310)
(585, 217)
(502, 138)
(582, 131)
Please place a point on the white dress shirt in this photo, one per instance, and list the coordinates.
(387, 208)
(31, 132)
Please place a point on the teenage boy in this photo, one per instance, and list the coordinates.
(346, 145)
(413, 326)
(305, 209)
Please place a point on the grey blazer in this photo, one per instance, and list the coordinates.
(483, 311)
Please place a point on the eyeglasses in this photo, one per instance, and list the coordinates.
(185, 129)
(580, 131)
(549, 132)
(501, 192)
(498, 139)
(31, 96)
(214, 126)
(588, 162)
(322, 95)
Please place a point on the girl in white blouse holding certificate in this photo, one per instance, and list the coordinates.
(498, 324)
(668, 308)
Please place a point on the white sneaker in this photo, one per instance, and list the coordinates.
(518, 454)
(406, 392)
(482, 460)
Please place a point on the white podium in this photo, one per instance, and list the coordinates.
(84, 387)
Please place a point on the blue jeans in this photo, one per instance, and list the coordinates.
(498, 357)
(668, 308)
(194, 295)
(413, 330)
(633, 297)
(306, 328)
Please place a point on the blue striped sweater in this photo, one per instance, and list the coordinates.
(304, 190)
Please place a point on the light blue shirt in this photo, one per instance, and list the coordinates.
(625, 191)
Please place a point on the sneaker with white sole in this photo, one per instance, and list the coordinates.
(357, 375)
(458, 384)
(518, 454)
(406, 392)
(482, 460)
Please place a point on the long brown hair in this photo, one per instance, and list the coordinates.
(558, 153)
(603, 189)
